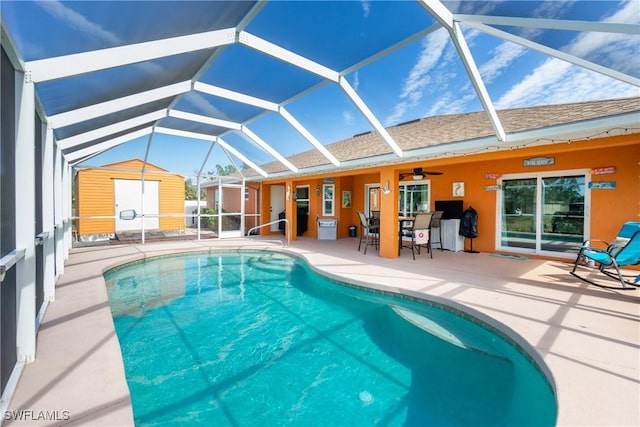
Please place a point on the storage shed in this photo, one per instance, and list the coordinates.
(103, 192)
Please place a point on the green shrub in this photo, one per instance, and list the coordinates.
(208, 222)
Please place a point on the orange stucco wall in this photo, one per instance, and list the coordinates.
(96, 196)
(609, 207)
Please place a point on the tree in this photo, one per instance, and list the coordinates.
(190, 191)
(224, 170)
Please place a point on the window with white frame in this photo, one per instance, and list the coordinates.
(414, 197)
(328, 199)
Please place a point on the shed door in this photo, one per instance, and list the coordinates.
(128, 195)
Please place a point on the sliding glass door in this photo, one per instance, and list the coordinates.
(543, 213)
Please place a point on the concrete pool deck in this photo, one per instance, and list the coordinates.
(588, 337)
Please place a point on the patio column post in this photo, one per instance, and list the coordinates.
(57, 213)
(67, 209)
(48, 215)
(290, 210)
(389, 213)
(25, 218)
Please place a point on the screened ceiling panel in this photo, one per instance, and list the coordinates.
(604, 50)
(266, 78)
(248, 147)
(342, 118)
(194, 151)
(111, 119)
(293, 74)
(192, 126)
(54, 28)
(88, 89)
(214, 106)
(521, 8)
(98, 141)
(287, 140)
(305, 27)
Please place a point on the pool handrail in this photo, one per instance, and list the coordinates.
(288, 225)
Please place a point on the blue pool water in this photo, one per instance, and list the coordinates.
(257, 338)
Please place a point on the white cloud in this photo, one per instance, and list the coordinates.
(546, 10)
(502, 58)
(366, 7)
(356, 81)
(203, 106)
(76, 20)
(347, 117)
(611, 50)
(556, 81)
(418, 79)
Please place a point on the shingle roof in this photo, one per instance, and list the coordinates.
(432, 131)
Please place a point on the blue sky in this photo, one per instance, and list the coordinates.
(424, 78)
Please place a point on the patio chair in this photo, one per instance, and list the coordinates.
(435, 224)
(623, 251)
(369, 232)
(421, 233)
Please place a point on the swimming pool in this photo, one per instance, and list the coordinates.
(257, 338)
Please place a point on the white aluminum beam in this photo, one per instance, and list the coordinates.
(204, 161)
(48, 202)
(255, 138)
(184, 133)
(476, 80)
(204, 119)
(556, 53)
(67, 194)
(79, 63)
(550, 24)
(439, 11)
(108, 107)
(304, 132)
(70, 157)
(235, 96)
(285, 55)
(58, 212)
(244, 159)
(83, 138)
(25, 222)
(351, 93)
(85, 158)
(204, 137)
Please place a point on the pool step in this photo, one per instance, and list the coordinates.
(449, 333)
(272, 263)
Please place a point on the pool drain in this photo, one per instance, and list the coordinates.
(365, 397)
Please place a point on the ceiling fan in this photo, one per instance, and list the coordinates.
(418, 174)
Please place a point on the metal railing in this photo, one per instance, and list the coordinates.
(9, 261)
(286, 221)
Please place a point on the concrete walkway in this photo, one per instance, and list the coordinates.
(589, 338)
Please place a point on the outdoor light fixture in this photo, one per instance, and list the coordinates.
(386, 189)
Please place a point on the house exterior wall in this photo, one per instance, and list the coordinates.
(608, 210)
(96, 196)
